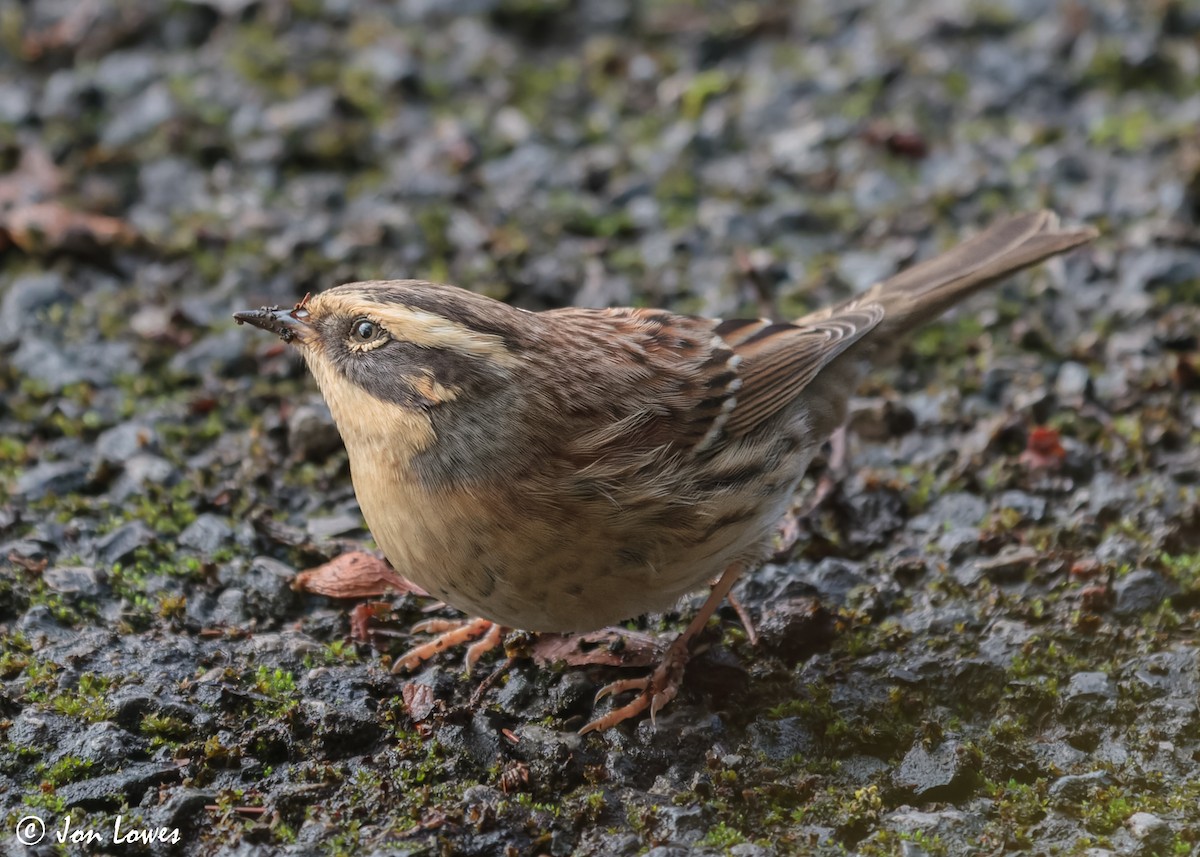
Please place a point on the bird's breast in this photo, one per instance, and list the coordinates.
(557, 561)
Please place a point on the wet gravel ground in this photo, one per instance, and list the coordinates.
(984, 641)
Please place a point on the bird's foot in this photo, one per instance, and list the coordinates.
(662, 685)
(657, 689)
(486, 634)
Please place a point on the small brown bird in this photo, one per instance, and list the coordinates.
(569, 469)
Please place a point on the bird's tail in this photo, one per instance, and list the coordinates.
(924, 291)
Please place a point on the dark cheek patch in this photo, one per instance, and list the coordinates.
(408, 375)
(473, 429)
(382, 379)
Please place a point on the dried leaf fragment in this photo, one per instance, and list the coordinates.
(1043, 450)
(353, 575)
(611, 647)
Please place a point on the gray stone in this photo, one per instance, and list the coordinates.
(120, 545)
(782, 739)
(57, 366)
(183, 806)
(310, 110)
(834, 579)
(124, 787)
(1109, 495)
(959, 543)
(142, 470)
(105, 745)
(312, 435)
(1074, 788)
(950, 826)
(749, 849)
(218, 354)
(1117, 550)
(1031, 508)
(51, 477)
(15, 104)
(230, 608)
(24, 301)
(124, 73)
(1071, 385)
(80, 580)
(167, 186)
(925, 770)
(1090, 686)
(680, 825)
(861, 269)
(267, 583)
(143, 115)
(121, 442)
(1008, 565)
(207, 534)
(465, 231)
(1154, 834)
(949, 511)
(39, 625)
(1139, 592)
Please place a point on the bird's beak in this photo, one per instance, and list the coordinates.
(290, 324)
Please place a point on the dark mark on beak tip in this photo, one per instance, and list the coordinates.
(274, 319)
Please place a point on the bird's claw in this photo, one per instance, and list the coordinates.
(450, 634)
(657, 689)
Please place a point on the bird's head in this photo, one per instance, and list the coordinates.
(395, 358)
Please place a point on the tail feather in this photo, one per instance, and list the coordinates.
(924, 291)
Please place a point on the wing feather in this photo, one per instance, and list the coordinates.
(779, 360)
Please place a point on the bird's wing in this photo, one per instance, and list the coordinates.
(682, 384)
(778, 360)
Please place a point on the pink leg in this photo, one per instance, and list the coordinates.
(662, 685)
(450, 634)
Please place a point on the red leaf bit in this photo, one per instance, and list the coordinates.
(1043, 450)
(361, 616)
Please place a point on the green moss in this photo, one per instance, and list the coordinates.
(259, 56)
(164, 730)
(943, 340)
(68, 769)
(340, 651)
(87, 702)
(1183, 569)
(279, 686)
(722, 836)
(702, 88)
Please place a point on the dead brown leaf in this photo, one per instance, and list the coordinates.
(33, 566)
(34, 220)
(353, 575)
(44, 227)
(90, 29)
(418, 699)
(612, 647)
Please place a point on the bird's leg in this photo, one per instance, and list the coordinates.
(789, 525)
(833, 472)
(450, 634)
(661, 686)
(744, 617)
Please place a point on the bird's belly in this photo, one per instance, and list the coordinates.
(542, 568)
(576, 560)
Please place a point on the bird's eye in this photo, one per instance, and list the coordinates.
(364, 330)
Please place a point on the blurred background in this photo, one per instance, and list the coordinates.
(986, 636)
